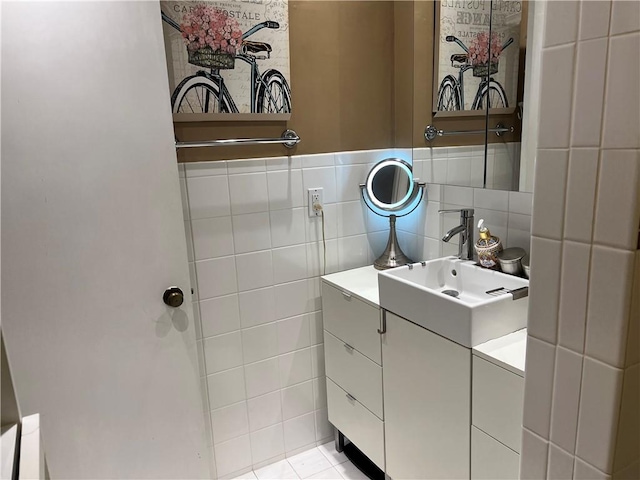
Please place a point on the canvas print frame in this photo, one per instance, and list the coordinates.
(228, 60)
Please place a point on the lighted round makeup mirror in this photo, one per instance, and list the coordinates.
(390, 191)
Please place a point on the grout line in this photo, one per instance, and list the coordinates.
(621, 34)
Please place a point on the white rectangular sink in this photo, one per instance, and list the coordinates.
(471, 318)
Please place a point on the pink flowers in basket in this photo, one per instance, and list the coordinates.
(479, 49)
(207, 26)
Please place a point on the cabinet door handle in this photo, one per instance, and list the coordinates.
(346, 295)
(348, 347)
(351, 398)
(383, 323)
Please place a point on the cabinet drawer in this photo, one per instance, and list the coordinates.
(352, 321)
(497, 402)
(491, 460)
(354, 373)
(357, 423)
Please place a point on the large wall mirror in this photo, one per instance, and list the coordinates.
(470, 56)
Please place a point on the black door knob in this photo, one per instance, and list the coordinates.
(173, 297)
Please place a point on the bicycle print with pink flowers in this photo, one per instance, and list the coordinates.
(214, 41)
(482, 56)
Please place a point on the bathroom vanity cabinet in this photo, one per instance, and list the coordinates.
(418, 404)
(427, 394)
(353, 359)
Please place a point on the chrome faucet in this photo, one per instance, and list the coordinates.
(465, 229)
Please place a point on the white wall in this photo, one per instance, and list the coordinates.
(581, 393)
(256, 262)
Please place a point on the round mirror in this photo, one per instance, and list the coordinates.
(390, 185)
(390, 191)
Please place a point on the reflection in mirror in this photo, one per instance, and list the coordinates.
(390, 191)
(477, 51)
(462, 57)
(390, 184)
(478, 78)
(501, 90)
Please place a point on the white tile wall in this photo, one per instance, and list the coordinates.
(544, 285)
(574, 288)
(265, 410)
(560, 464)
(251, 232)
(609, 304)
(255, 263)
(594, 19)
(566, 398)
(587, 118)
(555, 102)
(616, 217)
(208, 196)
(551, 177)
(465, 165)
(230, 422)
(267, 443)
(533, 459)
(254, 270)
(581, 192)
(562, 25)
(223, 352)
(538, 396)
(628, 439)
(586, 222)
(212, 237)
(623, 76)
(599, 413)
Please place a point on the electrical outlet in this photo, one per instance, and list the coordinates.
(315, 201)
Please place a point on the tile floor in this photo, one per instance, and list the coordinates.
(322, 462)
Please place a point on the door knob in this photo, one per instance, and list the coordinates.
(173, 297)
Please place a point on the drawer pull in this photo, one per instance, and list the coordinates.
(349, 348)
(351, 398)
(346, 295)
(383, 320)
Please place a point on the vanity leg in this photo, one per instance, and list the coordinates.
(339, 440)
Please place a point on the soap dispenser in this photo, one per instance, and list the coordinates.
(487, 247)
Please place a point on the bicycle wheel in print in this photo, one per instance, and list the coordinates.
(448, 95)
(198, 94)
(494, 92)
(274, 95)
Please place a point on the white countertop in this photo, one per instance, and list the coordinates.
(361, 282)
(509, 351)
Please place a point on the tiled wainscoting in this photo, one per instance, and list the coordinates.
(256, 258)
(465, 166)
(582, 384)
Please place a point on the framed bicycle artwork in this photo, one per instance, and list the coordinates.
(227, 60)
(477, 50)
